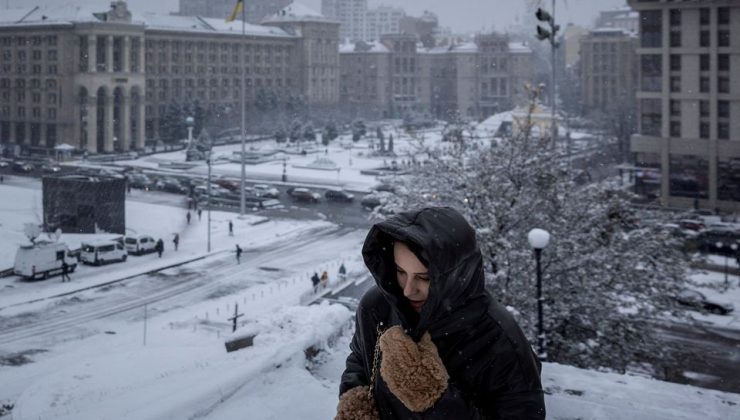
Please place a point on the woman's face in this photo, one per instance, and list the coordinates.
(412, 276)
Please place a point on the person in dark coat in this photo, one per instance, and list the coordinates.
(238, 254)
(65, 271)
(176, 239)
(159, 247)
(200, 212)
(315, 281)
(187, 216)
(231, 228)
(446, 349)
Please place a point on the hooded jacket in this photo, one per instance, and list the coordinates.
(493, 371)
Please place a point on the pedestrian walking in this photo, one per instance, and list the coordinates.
(238, 254)
(188, 217)
(324, 279)
(2, 179)
(231, 228)
(128, 186)
(342, 272)
(315, 281)
(159, 247)
(65, 271)
(176, 240)
(199, 213)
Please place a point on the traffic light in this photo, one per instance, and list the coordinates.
(543, 16)
(542, 33)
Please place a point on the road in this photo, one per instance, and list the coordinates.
(76, 315)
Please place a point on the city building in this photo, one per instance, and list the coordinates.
(688, 139)
(254, 10)
(620, 18)
(426, 27)
(103, 82)
(397, 76)
(382, 20)
(608, 68)
(82, 204)
(350, 14)
(571, 45)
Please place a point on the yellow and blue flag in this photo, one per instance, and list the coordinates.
(237, 9)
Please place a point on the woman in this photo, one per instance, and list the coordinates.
(430, 342)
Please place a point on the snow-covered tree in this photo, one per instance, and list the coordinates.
(607, 276)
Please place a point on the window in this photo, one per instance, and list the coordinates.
(723, 15)
(723, 84)
(704, 62)
(723, 109)
(723, 38)
(651, 72)
(675, 38)
(704, 16)
(675, 108)
(704, 108)
(675, 83)
(676, 129)
(676, 62)
(723, 130)
(676, 17)
(651, 28)
(704, 130)
(704, 38)
(704, 84)
(723, 62)
(650, 110)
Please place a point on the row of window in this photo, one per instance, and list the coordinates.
(723, 16)
(651, 118)
(34, 133)
(20, 112)
(33, 83)
(22, 55)
(723, 62)
(651, 28)
(23, 41)
(24, 69)
(20, 97)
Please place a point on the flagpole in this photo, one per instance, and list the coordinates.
(243, 100)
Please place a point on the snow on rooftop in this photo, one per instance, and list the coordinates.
(519, 48)
(363, 47)
(38, 15)
(296, 12)
(155, 21)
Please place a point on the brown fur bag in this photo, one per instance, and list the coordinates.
(357, 404)
(414, 372)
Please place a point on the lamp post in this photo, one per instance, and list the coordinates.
(549, 34)
(190, 122)
(208, 198)
(538, 240)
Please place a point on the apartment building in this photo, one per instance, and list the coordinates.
(102, 82)
(688, 141)
(608, 63)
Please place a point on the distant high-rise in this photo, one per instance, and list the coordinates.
(350, 14)
(687, 144)
(608, 68)
(255, 10)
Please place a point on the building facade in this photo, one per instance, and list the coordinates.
(350, 14)
(382, 20)
(254, 10)
(688, 140)
(103, 82)
(621, 18)
(79, 204)
(472, 80)
(608, 68)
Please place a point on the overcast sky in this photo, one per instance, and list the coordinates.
(460, 15)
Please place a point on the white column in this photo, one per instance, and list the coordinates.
(92, 124)
(109, 53)
(92, 53)
(126, 59)
(125, 122)
(142, 55)
(108, 123)
(141, 121)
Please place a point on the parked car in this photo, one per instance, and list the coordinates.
(171, 185)
(21, 166)
(42, 259)
(50, 168)
(140, 181)
(264, 190)
(386, 188)
(139, 244)
(698, 300)
(228, 184)
(691, 224)
(102, 252)
(708, 239)
(303, 195)
(339, 196)
(4, 164)
(216, 191)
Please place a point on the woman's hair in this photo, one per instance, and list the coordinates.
(415, 248)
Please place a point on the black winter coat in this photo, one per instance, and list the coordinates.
(493, 371)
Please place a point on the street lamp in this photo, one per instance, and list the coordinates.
(538, 240)
(549, 34)
(190, 122)
(208, 198)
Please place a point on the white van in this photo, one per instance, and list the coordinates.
(103, 252)
(139, 244)
(42, 259)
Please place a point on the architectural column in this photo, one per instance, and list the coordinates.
(141, 121)
(125, 123)
(142, 55)
(109, 53)
(125, 60)
(92, 124)
(92, 53)
(76, 129)
(11, 140)
(108, 123)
